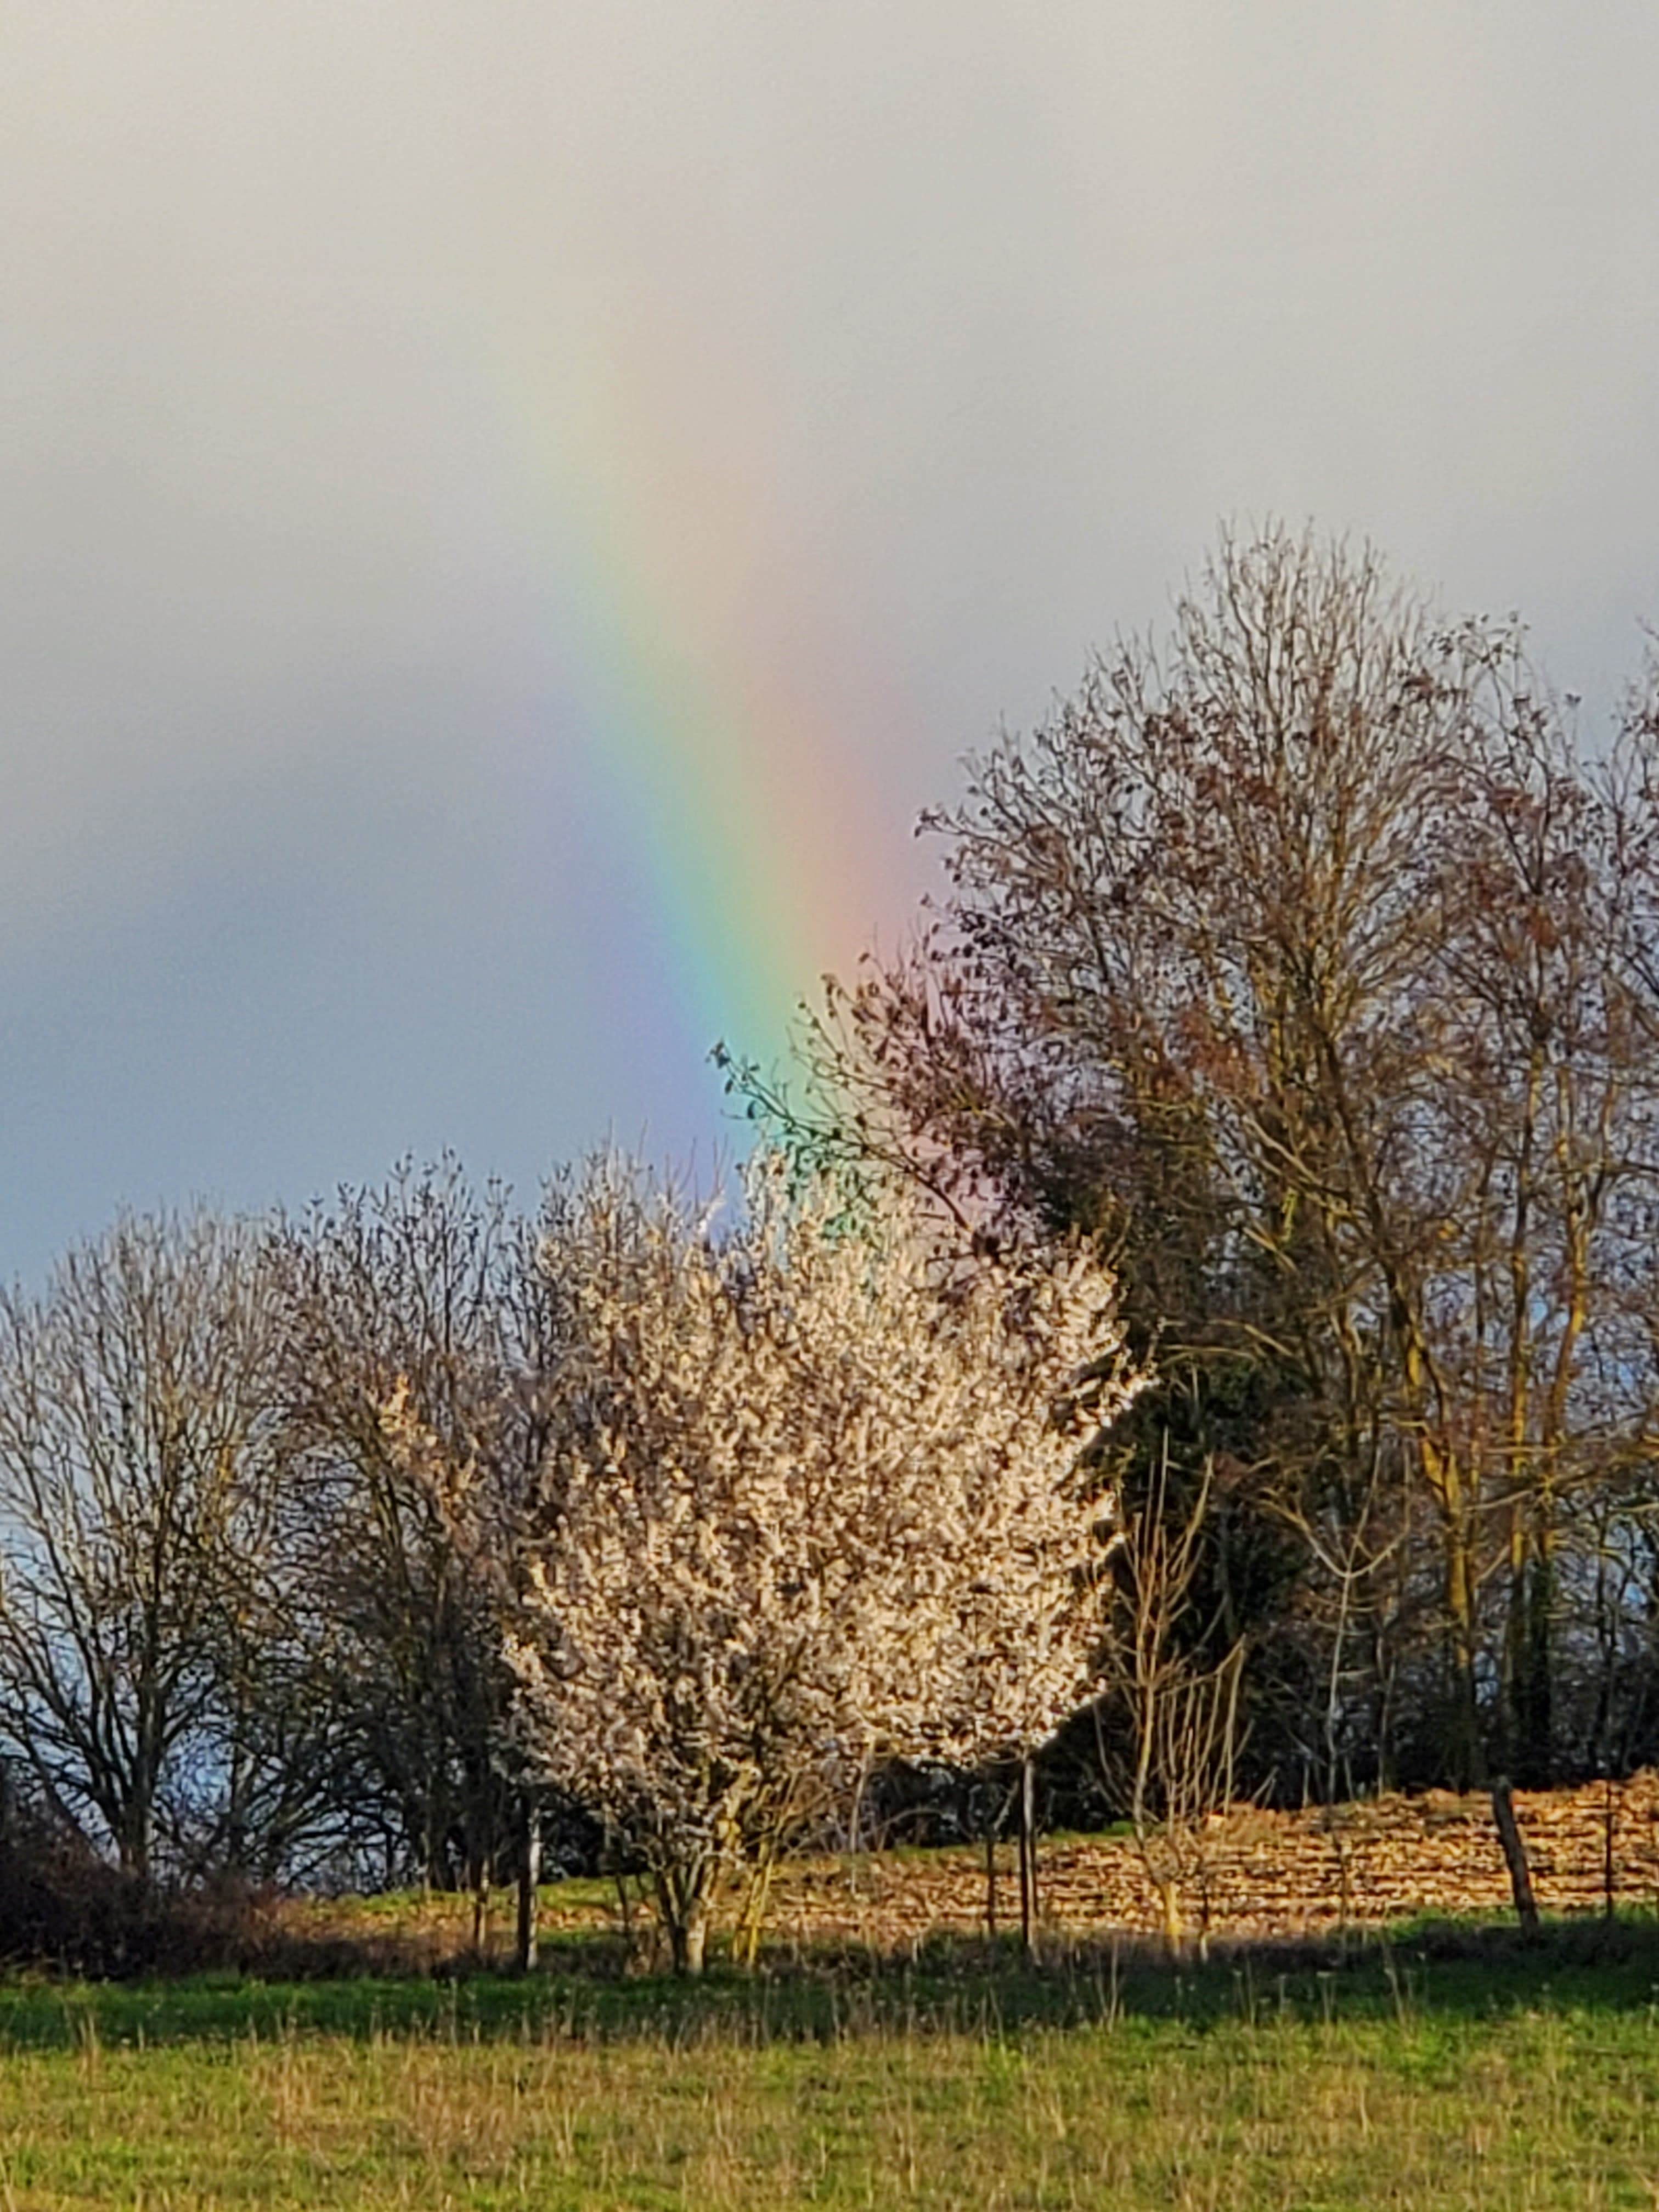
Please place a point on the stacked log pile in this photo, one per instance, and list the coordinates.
(1257, 1874)
(1261, 1873)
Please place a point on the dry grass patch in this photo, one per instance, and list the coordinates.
(1463, 2081)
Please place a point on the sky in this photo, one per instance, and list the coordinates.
(507, 511)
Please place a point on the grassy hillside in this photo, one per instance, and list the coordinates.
(1444, 2069)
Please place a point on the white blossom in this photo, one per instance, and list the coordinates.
(813, 1500)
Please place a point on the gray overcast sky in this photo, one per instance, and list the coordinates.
(505, 511)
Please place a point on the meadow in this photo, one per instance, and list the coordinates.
(1449, 2066)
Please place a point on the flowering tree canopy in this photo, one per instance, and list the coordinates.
(812, 1498)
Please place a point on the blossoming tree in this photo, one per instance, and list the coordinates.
(813, 1498)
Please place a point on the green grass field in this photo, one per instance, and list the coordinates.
(1446, 2068)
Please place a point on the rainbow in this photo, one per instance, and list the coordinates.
(702, 687)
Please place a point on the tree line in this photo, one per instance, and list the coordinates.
(374, 1545)
(1307, 960)
(1192, 1314)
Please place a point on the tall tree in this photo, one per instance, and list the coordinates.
(1291, 958)
(424, 1292)
(137, 1472)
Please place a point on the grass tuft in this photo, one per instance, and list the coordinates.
(1450, 2065)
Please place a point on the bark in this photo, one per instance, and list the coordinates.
(530, 1875)
(1515, 1853)
(683, 1900)
(1028, 1902)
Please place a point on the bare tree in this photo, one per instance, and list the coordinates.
(1305, 961)
(1176, 1707)
(424, 1293)
(136, 1471)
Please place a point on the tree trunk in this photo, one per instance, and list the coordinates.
(480, 1873)
(1535, 1716)
(530, 1875)
(1168, 1903)
(694, 1938)
(683, 1900)
(755, 1903)
(1515, 1853)
(1028, 1868)
(1467, 1756)
(1609, 1862)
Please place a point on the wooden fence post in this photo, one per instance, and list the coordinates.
(1514, 1852)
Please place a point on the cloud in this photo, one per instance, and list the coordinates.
(968, 322)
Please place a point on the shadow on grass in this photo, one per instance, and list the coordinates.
(1452, 1970)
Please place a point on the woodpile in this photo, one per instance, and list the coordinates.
(1262, 1874)
(1259, 1875)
